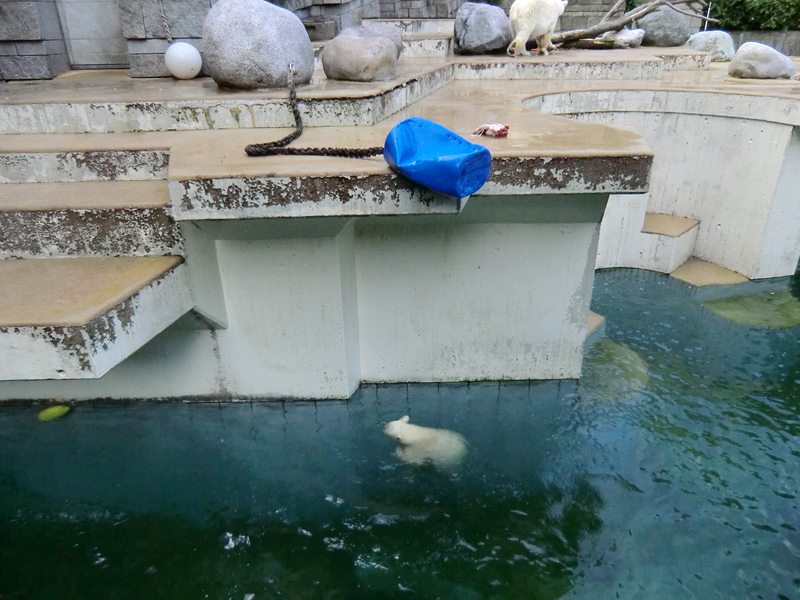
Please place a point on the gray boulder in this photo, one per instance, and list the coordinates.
(717, 43)
(481, 28)
(390, 33)
(759, 61)
(354, 58)
(625, 38)
(250, 43)
(664, 27)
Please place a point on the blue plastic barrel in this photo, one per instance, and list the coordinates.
(437, 158)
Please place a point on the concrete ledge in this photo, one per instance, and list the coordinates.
(537, 69)
(701, 273)
(86, 337)
(343, 105)
(70, 166)
(93, 232)
(416, 26)
(667, 225)
(728, 103)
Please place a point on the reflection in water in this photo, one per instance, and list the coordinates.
(671, 470)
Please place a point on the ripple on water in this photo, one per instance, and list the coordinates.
(669, 470)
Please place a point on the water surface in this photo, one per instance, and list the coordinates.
(669, 471)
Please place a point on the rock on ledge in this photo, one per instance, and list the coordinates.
(759, 61)
(250, 43)
(481, 28)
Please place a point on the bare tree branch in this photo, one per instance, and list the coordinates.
(626, 19)
(619, 5)
(691, 13)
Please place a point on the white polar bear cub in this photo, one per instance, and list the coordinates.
(419, 445)
(535, 18)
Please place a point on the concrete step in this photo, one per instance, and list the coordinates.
(427, 45)
(595, 326)
(97, 218)
(700, 273)
(630, 237)
(198, 104)
(671, 240)
(82, 165)
(76, 318)
(416, 26)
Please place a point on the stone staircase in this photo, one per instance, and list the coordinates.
(96, 248)
(632, 237)
(91, 260)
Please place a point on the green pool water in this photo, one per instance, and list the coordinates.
(670, 470)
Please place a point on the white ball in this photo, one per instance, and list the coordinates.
(183, 60)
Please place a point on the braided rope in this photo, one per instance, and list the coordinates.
(278, 147)
(165, 22)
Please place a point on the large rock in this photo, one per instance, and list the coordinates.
(759, 61)
(481, 28)
(354, 58)
(250, 43)
(384, 31)
(625, 38)
(664, 27)
(717, 43)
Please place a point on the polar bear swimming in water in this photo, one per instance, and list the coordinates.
(536, 18)
(419, 445)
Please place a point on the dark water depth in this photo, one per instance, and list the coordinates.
(670, 470)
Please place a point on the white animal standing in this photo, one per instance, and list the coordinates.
(419, 445)
(534, 18)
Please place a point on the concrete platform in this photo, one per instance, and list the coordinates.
(701, 273)
(96, 218)
(77, 318)
(315, 274)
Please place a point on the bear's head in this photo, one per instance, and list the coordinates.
(395, 429)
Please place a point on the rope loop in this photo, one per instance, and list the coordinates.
(278, 147)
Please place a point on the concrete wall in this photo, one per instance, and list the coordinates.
(499, 291)
(787, 42)
(31, 40)
(713, 162)
(580, 14)
(93, 33)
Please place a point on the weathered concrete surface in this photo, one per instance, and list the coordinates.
(750, 222)
(34, 345)
(104, 165)
(112, 232)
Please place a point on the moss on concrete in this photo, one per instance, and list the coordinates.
(780, 310)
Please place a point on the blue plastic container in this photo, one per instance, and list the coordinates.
(436, 157)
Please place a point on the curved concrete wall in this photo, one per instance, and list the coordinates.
(730, 161)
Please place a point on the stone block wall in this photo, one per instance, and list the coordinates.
(143, 27)
(787, 42)
(93, 34)
(31, 40)
(584, 13)
(419, 9)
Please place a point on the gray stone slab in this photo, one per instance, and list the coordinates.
(49, 21)
(148, 65)
(104, 21)
(132, 20)
(19, 21)
(8, 49)
(32, 48)
(59, 63)
(25, 67)
(184, 17)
